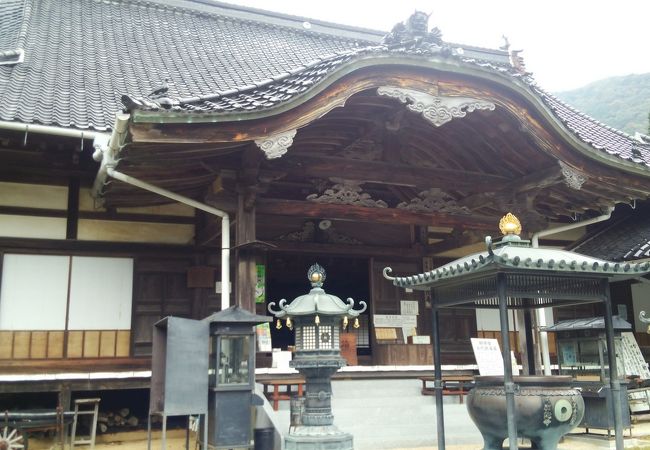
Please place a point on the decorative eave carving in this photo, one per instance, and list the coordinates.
(434, 200)
(438, 110)
(572, 177)
(308, 234)
(276, 145)
(347, 192)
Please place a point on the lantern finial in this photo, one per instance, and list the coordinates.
(509, 225)
(316, 275)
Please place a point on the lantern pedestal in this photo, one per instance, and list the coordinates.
(316, 430)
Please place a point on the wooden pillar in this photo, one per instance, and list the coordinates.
(246, 273)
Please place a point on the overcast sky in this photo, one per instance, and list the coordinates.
(566, 43)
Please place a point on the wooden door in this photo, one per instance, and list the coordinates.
(160, 290)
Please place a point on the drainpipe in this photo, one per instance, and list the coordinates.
(106, 152)
(541, 314)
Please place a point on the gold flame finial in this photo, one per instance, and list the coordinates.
(509, 224)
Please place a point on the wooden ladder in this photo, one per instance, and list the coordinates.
(80, 408)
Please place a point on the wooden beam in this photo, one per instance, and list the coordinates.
(348, 250)
(536, 180)
(386, 173)
(391, 216)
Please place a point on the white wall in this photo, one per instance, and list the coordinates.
(34, 292)
(100, 293)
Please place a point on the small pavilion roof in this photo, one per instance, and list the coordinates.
(519, 255)
(590, 323)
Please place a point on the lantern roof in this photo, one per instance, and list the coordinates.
(317, 301)
(236, 314)
(513, 254)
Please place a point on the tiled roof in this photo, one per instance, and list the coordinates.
(14, 16)
(84, 60)
(597, 134)
(81, 56)
(627, 239)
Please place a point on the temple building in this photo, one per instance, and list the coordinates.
(157, 154)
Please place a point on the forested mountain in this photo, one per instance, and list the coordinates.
(620, 102)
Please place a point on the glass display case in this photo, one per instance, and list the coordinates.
(583, 355)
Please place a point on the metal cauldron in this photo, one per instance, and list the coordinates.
(546, 408)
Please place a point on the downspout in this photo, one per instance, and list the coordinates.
(541, 314)
(106, 153)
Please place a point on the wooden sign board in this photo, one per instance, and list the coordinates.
(389, 335)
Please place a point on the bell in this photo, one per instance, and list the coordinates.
(345, 322)
(356, 323)
(317, 320)
(289, 324)
(278, 324)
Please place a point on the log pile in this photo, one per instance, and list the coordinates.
(113, 421)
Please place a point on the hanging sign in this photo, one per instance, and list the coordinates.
(260, 286)
(263, 333)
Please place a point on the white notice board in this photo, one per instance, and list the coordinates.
(488, 356)
(633, 359)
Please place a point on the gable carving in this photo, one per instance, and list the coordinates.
(438, 110)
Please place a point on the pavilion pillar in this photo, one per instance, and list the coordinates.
(508, 383)
(437, 374)
(245, 258)
(615, 385)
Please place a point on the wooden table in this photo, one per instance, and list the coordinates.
(451, 385)
(278, 395)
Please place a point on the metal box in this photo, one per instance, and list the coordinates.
(179, 378)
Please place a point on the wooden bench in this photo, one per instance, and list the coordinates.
(276, 395)
(451, 385)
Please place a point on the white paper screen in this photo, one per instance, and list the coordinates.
(100, 293)
(34, 292)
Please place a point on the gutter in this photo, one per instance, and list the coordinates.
(107, 152)
(54, 131)
(541, 314)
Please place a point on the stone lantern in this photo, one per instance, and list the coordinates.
(317, 318)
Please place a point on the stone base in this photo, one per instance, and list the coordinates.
(327, 437)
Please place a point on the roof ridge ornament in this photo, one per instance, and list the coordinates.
(316, 275)
(415, 29)
(438, 110)
(510, 225)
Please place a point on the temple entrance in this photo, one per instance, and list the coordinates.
(286, 278)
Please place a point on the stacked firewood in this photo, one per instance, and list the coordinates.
(120, 420)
